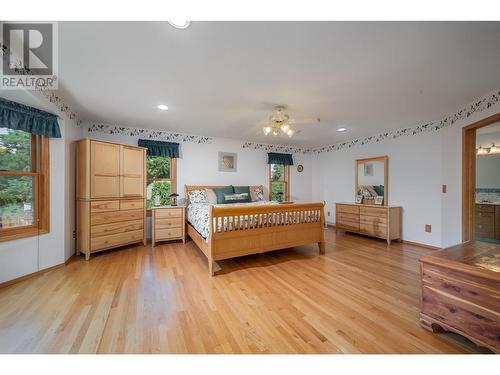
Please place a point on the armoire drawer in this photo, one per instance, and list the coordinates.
(103, 242)
(347, 224)
(115, 216)
(115, 228)
(131, 204)
(374, 229)
(104, 206)
(373, 211)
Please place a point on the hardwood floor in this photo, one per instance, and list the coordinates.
(361, 297)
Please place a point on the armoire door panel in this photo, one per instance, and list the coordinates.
(132, 186)
(132, 163)
(105, 159)
(105, 187)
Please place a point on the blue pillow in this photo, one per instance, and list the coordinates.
(221, 192)
(243, 190)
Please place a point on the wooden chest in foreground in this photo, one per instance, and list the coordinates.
(461, 292)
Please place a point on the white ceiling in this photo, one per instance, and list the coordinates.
(222, 78)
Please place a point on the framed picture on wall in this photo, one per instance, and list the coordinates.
(228, 161)
(368, 169)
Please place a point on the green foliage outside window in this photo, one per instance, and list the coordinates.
(278, 182)
(16, 192)
(158, 168)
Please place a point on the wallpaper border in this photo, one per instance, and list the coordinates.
(160, 135)
(478, 105)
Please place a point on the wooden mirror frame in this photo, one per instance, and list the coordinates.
(384, 160)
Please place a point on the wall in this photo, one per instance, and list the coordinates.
(197, 165)
(28, 255)
(414, 179)
(418, 167)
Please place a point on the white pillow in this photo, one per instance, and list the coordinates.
(198, 196)
(256, 194)
(211, 197)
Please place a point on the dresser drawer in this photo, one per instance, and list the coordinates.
(342, 216)
(163, 223)
(115, 216)
(168, 233)
(131, 204)
(485, 207)
(346, 208)
(104, 206)
(168, 212)
(347, 224)
(103, 242)
(114, 228)
(373, 220)
(378, 230)
(373, 211)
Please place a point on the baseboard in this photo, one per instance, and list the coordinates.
(36, 273)
(421, 245)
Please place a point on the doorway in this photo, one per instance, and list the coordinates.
(480, 208)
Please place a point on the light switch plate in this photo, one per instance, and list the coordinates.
(428, 228)
(444, 189)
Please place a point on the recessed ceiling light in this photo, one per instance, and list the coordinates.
(180, 24)
(341, 129)
(163, 107)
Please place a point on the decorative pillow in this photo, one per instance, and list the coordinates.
(198, 196)
(220, 192)
(256, 194)
(243, 190)
(236, 198)
(211, 197)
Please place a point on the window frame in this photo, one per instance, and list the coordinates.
(286, 181)
(172, 180)
(40, 169)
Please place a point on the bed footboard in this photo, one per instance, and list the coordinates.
(239, 230)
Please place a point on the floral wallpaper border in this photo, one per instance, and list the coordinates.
(277, 148)
(477, 106)
(160, 135)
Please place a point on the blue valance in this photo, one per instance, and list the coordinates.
(275, 158)
(18, 116)
(160, 148)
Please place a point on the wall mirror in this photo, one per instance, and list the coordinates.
(371, 180)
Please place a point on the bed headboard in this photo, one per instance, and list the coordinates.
(188, 188)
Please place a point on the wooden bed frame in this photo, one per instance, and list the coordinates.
(290, 225)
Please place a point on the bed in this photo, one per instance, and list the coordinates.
(233, 230)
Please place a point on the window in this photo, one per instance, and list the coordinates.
(24, 184)
(279, 182)
(161, 179)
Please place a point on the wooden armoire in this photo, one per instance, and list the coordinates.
(110, 195)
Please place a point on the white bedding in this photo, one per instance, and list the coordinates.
(198, 214)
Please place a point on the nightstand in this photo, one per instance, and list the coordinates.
(168, 223)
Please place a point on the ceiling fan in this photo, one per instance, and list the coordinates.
(280, 123)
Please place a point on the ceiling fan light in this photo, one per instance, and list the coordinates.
(285, 128)
(275, 131)
(494, 149)
(290, 133)
(267, 130)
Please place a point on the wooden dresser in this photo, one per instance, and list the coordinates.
(168, 223)
(461, 292)
(487, 220)
(376, 221)
(110, 193)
